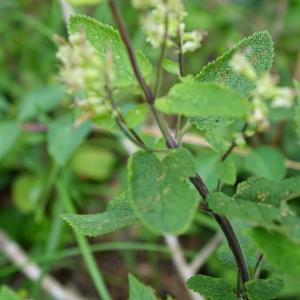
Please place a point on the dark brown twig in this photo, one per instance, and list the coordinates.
(172, 143)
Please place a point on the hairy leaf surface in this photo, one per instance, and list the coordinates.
(194, 99)
(262, 202)
(161, 194)
(105, 38)
(258, 49)
(211, 288)
(263, 289)
(119, 214)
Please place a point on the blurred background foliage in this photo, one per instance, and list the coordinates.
(37, 150)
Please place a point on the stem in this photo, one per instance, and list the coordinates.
(159, 70)
(233, 144)
(125, 37)
(170, 140)
(84, 246)
(172, 143)
(180, 54)
(229, 151)
(181, 72)
(257, 266)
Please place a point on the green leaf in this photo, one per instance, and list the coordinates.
(262, 202)
(119, 214)
(263, 289)
(104, 38)
(227, 172)
(278, 249)
(9, 133)
(297, 108)
(39, 101)
(136, 115)
(8, 294)
(203, 100)
(83, 2)
(93, 162)
(205, 123)
(267, 162)
(211, 288)
(64, 138)
(171, 66)
(161, 194)
(139, 291)
(26, 192)
(259, 51)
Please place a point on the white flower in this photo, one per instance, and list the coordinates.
(240, 64)
(192, 40)
(153, 22)
(259, 116)
(265, 87)
(81, 72)
(284, 97)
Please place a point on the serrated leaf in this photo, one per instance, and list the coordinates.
(9, 133)
(161, 195)
(63, 138)
(211, 288)
(105, 38)
(193, 99)
(267, 162)
(258, 49)
(119, 214)
(278, 249)
(263, 289)
(227, 172)
(8, 294)
(139, 291)
(261, 202)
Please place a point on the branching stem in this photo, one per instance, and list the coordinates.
(172, 143)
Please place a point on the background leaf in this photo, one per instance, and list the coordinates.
(267, 162)
(278, 249)
(8, 294)
(9, 133)
(138, 290)
(39, 101)
(63, 138)
(93, 162)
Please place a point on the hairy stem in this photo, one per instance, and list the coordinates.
(172, 143)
